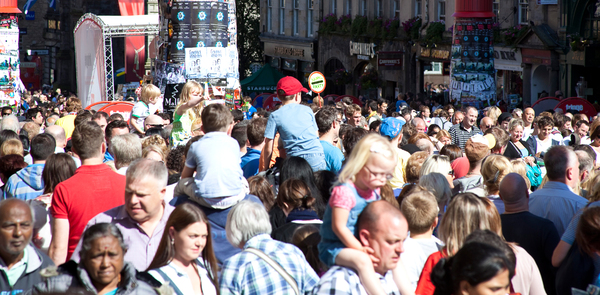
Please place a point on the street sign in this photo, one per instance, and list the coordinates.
(316, 82)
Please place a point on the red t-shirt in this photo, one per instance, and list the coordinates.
(425, 286)
(92, 190)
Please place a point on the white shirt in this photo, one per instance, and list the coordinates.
(182, 280)
(543, 145)
(416, 252)
(527, 132)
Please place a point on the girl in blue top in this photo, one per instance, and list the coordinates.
(369, 167)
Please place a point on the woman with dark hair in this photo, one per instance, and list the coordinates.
(297, 202)
(307, 238)
(6, 135)
(9, 165)
(185, 257)
(58, 168)
(102, 269)
(296, 167)
(476, 269)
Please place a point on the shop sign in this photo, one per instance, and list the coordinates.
(576, 104)
(30, 15)
(536, 56)
(367, 49)
(507, 59)
(389, 60)
(547, 2)
(576, 58)
(262, 88)
(363, 57)
(435, 53)
(284, 50)
(589, 57)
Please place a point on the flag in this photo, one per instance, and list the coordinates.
(52, 4)
(28, 5)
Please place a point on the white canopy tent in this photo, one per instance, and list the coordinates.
(94, 54)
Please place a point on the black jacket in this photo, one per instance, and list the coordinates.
(36, 263)
(512, 152)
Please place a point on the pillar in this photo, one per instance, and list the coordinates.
(472, 73)
(527, 99)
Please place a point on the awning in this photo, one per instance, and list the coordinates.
(265, 80)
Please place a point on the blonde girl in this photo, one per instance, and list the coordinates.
(493, 170)
(369, 167)
(188, 109)
(148, 96)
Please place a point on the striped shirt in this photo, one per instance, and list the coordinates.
(246, 273)
(460, 135)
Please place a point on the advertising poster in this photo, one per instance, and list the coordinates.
(203, 40)
(10, 80)
(472, 66)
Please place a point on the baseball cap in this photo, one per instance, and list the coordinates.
(289, 86)
(503, 117)
(391, 127)
(478, 147)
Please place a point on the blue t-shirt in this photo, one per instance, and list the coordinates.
(216, 158)
(297, 127)
(250, 162)
(249, 113)
(333, 157)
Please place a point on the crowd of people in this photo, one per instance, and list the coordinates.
(313, 197)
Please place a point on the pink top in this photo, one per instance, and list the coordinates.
(343, 197)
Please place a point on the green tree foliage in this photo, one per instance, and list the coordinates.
(248, 30)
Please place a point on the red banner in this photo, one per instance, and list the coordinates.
(135, 47)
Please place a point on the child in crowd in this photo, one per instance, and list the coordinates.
(369, 167)
(187, 111)
(421, 211)
(296, 125)
(215, 158)
(148, 96)
(248, 108)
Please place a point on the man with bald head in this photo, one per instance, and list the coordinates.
(20, 262)
(485, 124)
(528, 116)
(535, 234)
(419, 124)
(382, 228)
(153, 121)
(59, 135)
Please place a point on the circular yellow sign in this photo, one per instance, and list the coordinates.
(316, 82)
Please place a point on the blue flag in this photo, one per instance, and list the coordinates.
(52, 4)
(28, 5)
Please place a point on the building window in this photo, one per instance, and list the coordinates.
(496, 10)
(442, 10)
(523, 11)
(348, 7)
(363, 7)
(436, 69)
(282, 17)
(295, 17)
(309, 18)
(418, 8)
(396, 9)
(333, 7)
(378, 9)
(53, 24)
(269, 16)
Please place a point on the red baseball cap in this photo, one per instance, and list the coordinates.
(289, 86)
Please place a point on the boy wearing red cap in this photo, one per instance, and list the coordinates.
(296, 125)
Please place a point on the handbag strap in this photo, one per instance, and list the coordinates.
(286, 276)
(167, 279)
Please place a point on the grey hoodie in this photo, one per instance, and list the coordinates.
(473, 184)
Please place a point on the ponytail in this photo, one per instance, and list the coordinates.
(441, 277)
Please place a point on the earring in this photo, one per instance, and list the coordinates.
(172, 241)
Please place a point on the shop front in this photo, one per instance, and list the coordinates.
(434, 73)
(583, 66)
(508, 64)
(538, 74)
(291, 58)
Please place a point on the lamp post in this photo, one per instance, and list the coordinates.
(472, 72)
